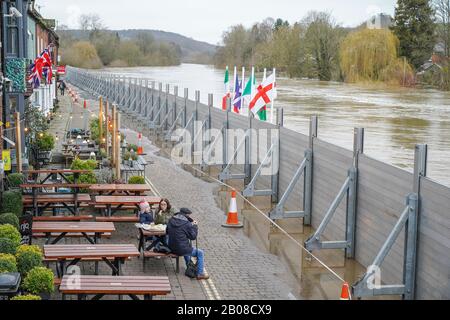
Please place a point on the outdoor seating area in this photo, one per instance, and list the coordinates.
(73, 223)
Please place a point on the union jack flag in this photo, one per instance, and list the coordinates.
(42, 65)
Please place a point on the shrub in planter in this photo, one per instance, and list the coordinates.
(132, 147)
(10, 232)
(45, 142)
(9, 218)
(78, 164)
(15, 179)
(28, 257)
(126, 156)
(136, 180)
(39, 281)
(12, 202)
(26, 297)
(7, 263)
(8, 246)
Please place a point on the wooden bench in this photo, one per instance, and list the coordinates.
(115, 285)
(152, 254)
(72, 235)
(63, 218)
(117, 219)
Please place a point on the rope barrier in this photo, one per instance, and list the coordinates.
(272, 222)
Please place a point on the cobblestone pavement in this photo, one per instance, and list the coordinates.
(238, 268)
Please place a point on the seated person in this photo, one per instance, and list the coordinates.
(181, 229)
(162, 216)
(164, 212)
(145, 213)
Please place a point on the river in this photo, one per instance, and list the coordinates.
(394, 119)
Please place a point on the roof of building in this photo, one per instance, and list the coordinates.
(47, 24)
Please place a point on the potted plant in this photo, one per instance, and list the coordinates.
(134, 157)
(9, 239)
(39, 281)
(12, 202)
(9, 218)
(28, 257)
(126, 157)
(136, 180)
(26, 297)
(7, 263)
(15, 180)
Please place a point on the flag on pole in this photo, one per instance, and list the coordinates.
(262, 114)
(251, 83)
(227, 89)
(264, 94)
(237, 101)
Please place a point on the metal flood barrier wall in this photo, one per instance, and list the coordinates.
(379, 214)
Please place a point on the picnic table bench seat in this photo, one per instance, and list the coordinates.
(55, 185)
(152, 254)
(71, 234)
(98, 286)
(63, 218)
(117, 219)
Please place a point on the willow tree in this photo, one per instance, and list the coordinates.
(372, 55)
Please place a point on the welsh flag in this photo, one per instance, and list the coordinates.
(264, 94)
(227, 89)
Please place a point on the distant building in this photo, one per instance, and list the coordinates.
(380, 21)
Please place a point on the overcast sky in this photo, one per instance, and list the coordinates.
(206, 20)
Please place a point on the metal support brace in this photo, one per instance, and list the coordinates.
(278, 212)
(349, 189)
(250, 189)
(314, 242)
(164, 120)
(305, 170)
(174, 125)
(226, 172)
(189, 123)
(409, 221)
(152, 124)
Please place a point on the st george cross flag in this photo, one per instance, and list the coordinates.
(237, 101)
(263, 94)
(227, 90)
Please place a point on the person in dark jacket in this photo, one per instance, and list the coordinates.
(182, 229)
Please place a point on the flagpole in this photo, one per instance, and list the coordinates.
(243, 80)
(225, 84)
(234, 81)
(253, 80)
(272, 104)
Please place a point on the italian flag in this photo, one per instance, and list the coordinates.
(227, 89)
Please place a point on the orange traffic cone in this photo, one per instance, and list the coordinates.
(345, 292)
(232, 219)
(140, 150)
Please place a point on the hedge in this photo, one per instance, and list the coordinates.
(9, 218)
(12, 202)
(7, 263)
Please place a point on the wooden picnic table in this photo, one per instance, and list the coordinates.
(128, 189)
(63, 228)
(77, 252)
(43, 201)
(120, 201)
(35, 187)
(143, 234)
(136, 169)
(61, 172)
(115, 285)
